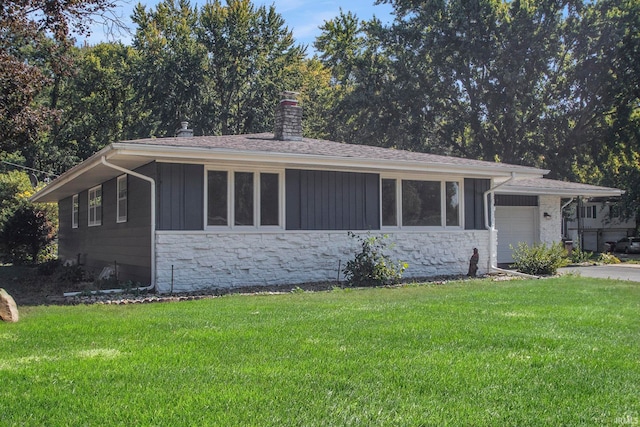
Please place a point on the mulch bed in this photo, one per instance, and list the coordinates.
(49, 293)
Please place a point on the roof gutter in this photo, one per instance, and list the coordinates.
(152, 182)
(492, 231)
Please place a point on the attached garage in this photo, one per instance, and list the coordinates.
(516, 221)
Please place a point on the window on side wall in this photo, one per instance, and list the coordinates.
(249, 199)
(421, 203)
(389, 203)
(95, 206)
(269, 199)
(75, 210)
(588, 211)
(121, 214)
(452, 201)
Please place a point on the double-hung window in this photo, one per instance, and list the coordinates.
(243, 199)
(75, 207)
(95, 206)
(121, 207)
(420, 203)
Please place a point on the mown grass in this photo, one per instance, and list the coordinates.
(550, 352)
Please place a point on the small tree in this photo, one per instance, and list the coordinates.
(25, 234)
(372, 267)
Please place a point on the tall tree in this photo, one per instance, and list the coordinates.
(97, 103)
(341, 44)
(473, 78)
(251, 58)
(361, 81)
(220, 66)
(170, 74)
(33, 33)
(608, 76)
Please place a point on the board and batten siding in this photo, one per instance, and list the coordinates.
(331, 200)
(180, 196)
(314, 199)
(128, 243)
(474, 204)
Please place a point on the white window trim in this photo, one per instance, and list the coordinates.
(75, 211)
(120, 217)
(398, 182)
(256, 199)
(443, 208)
(95, 208)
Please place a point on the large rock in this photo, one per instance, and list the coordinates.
(8, 307)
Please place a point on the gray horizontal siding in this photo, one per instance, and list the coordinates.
(330, 200)
(128, 244)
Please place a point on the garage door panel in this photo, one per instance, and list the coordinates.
(515, 224)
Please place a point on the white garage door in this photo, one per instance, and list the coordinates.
(515, 224)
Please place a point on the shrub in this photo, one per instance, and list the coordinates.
(48, 268)
(606, 258)
(25, 234)
(26, 229)
(372, 267)
(539, 259)
(72, 274)
(578, 255)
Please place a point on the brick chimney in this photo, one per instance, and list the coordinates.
(184, 130)
(288, 126)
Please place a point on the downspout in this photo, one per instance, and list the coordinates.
(564, 230)
(492, 230)
(152, 182)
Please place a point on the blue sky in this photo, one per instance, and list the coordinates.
(303, 17)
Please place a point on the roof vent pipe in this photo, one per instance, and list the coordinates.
(184, 131)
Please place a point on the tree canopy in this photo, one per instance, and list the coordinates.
(547, 83)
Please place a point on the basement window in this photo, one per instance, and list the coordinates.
(95, 206)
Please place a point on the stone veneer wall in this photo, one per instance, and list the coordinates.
(204, 260)
(550, 228)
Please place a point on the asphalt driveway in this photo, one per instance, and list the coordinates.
(629, 272)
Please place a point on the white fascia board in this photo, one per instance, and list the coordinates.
(71, 174)
(199, 155)
(560, 192)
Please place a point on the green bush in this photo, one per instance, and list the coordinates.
(72, 274)
(579, 256)
(25, 235)
(26, 229)
(50, 267)
(372, 267)
(539, 259)
(608, 259)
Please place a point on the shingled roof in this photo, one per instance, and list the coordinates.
(264, 149)
(555, 187)
(266, 143)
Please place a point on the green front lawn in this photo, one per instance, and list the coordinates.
(559, 351)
